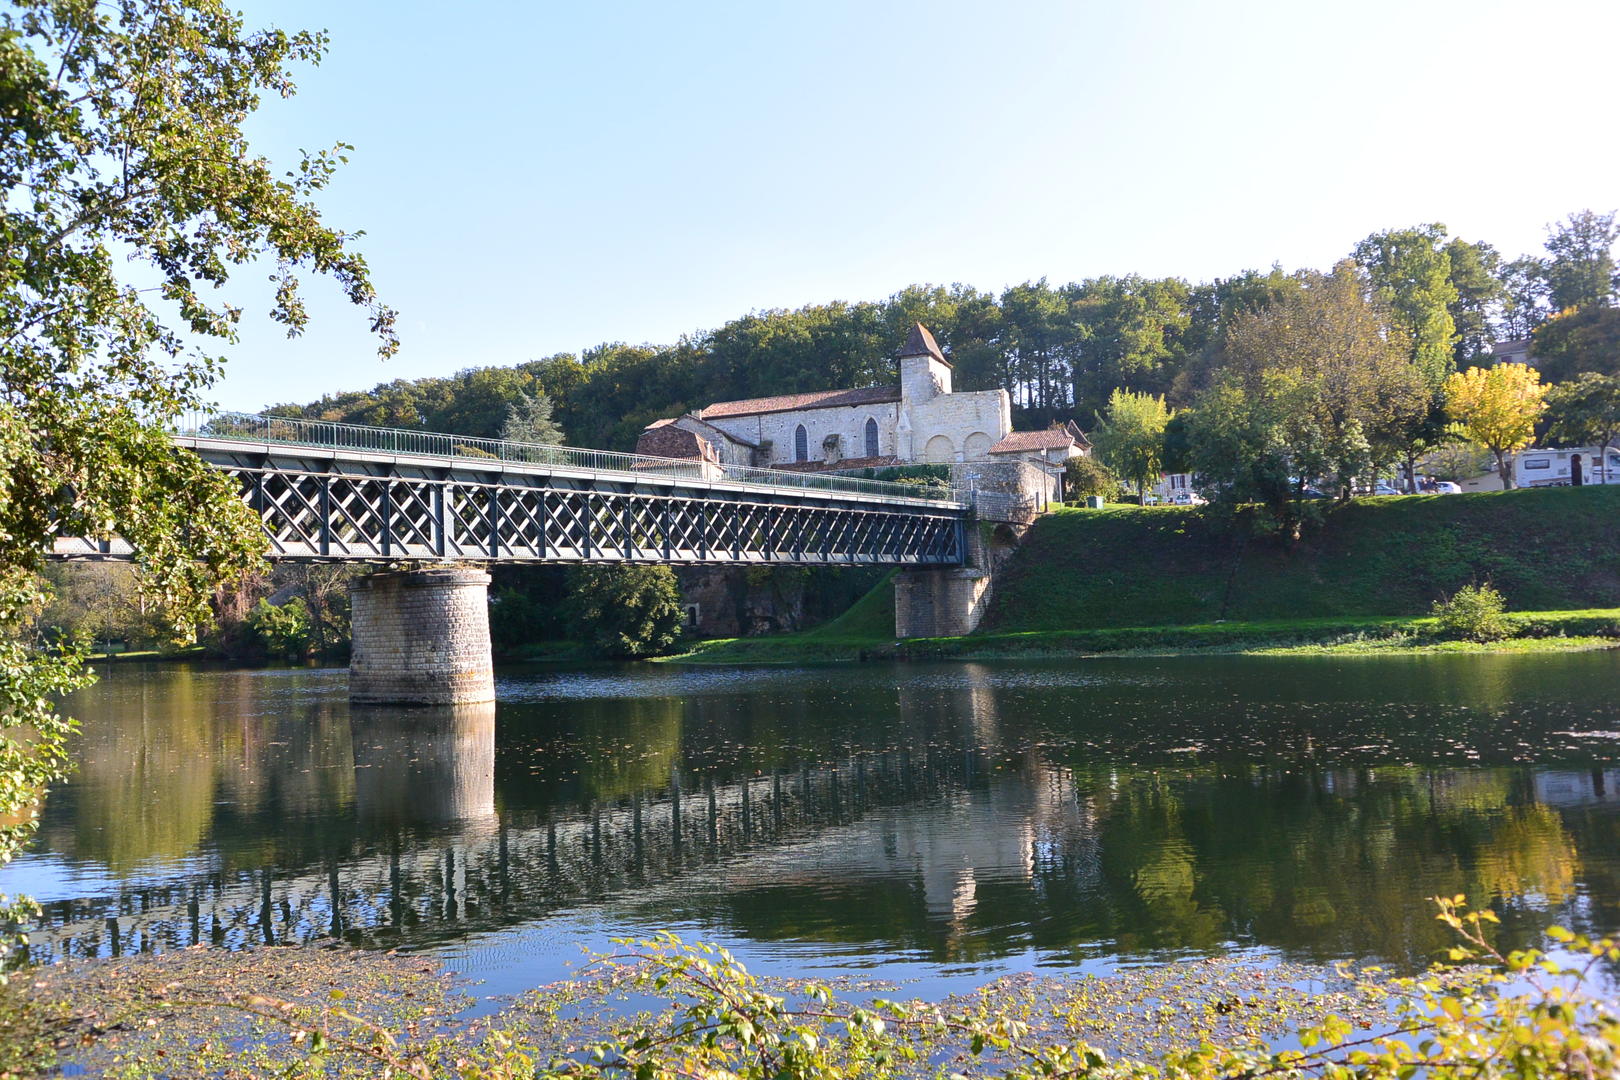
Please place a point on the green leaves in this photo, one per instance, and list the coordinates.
(130, 196)
(1130, 437)
(628, 611)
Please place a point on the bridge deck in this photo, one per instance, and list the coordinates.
(383, 497)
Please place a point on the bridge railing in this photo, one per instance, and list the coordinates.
(330, 435)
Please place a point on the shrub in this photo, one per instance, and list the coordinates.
(284, 631)
(626, 611)
(1084, 476)
(1474, 613)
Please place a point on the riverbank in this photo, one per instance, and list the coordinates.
(1182, 579)
(212, 1012)
(1542, 631)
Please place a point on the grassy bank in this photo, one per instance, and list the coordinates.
(1531, 632)
(1545, 550)
(1173, 579)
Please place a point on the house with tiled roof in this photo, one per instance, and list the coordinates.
(1051, 447)
(920, 419)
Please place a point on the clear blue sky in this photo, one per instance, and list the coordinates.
(536, 178)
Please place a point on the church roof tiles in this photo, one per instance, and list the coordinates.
(815, 399)
(922, 343)
(1052, 438)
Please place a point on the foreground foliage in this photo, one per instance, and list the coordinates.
(1483, 1015)
(130, 195)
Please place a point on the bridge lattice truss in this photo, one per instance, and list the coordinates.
(361, 506)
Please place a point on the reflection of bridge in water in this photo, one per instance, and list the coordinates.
(928, 816)
(439, 864)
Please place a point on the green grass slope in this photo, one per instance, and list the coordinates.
(1546, 550)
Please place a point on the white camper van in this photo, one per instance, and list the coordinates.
(1556, 468)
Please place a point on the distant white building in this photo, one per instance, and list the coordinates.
(1557, 468)
(1171, 485)
(1512, 352)
(919, 420)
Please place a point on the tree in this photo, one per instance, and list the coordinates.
(1040, 337)
(131, 193)
(1576, 341)
(1249, 441)
(628, 611)
(1130, 436)
(285, 631)
(1129, 331)
(1412, 273)
(1581, 273)
(528, 420)
(1497, 407)
(1084, 475)
(1475, 274)
(1524, 298)
(1410, 269)
(1353, 393)
(1586, 412)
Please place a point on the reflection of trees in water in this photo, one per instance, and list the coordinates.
(166, 765)
(961, 816)
(1324, 863)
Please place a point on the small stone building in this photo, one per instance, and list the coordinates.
(919, 420)
(1049, 448)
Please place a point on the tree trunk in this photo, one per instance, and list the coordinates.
(1411, 473)
(1502, 469)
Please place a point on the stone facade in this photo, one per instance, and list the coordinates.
(833, 434)
(920, 420)
(940, 603)
(421, 637)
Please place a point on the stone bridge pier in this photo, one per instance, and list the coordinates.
(421, 637)
(950, 602)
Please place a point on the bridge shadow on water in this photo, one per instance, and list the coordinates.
(948, 814)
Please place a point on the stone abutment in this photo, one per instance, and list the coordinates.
(951, 602)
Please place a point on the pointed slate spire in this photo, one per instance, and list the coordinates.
(922, 343)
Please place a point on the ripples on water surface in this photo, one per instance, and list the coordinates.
(923, 820)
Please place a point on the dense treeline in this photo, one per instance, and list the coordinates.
(1060, 350)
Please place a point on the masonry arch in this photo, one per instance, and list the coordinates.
(939, 450)
(976, 447)
(872, 449)
(801, 444)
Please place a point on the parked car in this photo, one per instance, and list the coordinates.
(1382, 488)
(1187, 498)
(1443, 487)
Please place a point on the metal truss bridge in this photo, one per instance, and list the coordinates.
(330, 491)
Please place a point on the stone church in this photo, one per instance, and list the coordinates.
(919, 420)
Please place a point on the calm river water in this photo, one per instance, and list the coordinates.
(921, 821)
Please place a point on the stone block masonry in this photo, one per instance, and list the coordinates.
(421, 637)
(939, 603)
(952, 602)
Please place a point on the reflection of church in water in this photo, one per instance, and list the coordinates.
(930, 817)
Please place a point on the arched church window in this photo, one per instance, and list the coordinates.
(871, 437)
(801, 444)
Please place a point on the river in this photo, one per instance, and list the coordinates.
(925, 822)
